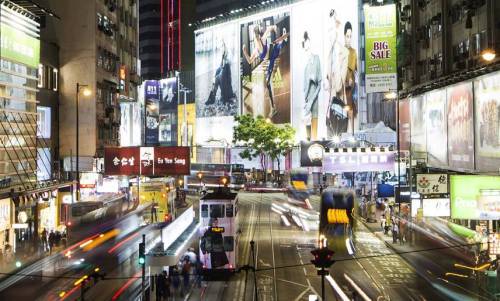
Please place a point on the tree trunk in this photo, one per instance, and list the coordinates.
(263, 165)
(279, 169)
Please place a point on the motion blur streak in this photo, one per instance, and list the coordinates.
(124, 287)
(112, 249)
(337, 288)
(68, 250)
(101, 239)
(66, 295)
(357, 288)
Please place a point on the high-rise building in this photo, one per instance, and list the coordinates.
(98, 53)
(166, 42)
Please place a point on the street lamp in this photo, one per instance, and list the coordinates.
(199, 175)
(86, 92)
(488, 55)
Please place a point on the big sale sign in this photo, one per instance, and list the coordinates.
(381, 63)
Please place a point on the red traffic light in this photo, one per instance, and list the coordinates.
(322, 258)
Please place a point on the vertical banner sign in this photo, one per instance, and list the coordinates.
(168, 112)
(152, 97)
(381, 63)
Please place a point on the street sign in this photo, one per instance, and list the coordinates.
(432, 184)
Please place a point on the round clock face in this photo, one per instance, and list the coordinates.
(315, 152)
(151, 123)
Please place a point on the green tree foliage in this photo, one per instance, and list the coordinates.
(262, 139)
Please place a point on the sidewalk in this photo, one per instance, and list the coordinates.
(441, 269)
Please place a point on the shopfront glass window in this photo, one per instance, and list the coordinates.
(216, 211)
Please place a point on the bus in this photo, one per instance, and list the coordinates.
(336, 220)
(219, 232)
(298, 193)
(212, 173)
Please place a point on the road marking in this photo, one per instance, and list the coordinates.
(292, 282)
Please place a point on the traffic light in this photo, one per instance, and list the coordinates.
(322, 258)
(142, 253)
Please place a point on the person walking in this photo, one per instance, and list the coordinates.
(395, 231)
(383, 223)
(43, 237)
(154, 217)
(175, 281)
(388, 223)
(52, 240)
(186, 273)
(166, 292)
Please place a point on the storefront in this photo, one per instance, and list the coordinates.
(6, 229)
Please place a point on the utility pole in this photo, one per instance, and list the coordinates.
(252, 243)
(142, 262)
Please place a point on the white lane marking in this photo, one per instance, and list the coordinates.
(337, 288)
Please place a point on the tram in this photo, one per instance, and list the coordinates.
(336, 220)
(219, 228)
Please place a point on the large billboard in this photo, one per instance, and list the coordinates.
(404, 125)
(436, 128)
(168, 112)
(337, 162)
(265, 66)
(460, 126)
(475, 197)
(152, 99)
(325, 68)
(487, 122)
(418, 130)
(380, 49)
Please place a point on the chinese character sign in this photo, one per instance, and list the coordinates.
(121, 160)
(432, 183)
(358, 161)
(147, 161)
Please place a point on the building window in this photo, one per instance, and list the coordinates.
(48, 77)
(44, 169)
(43, 122)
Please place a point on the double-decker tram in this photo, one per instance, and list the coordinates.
(219, 232)
(336, 220)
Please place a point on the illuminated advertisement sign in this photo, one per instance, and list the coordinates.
(436, 207)
(148, 161)
(404, 125)
(381, 63)
(358, 161)
(487, 122)
(432, 183)
(311, 153)
(18, 46)
(152, 99)
(418, 130)
(460, 126)
(168, 112)
(475, 197)
(325, 68)
(436, 128)
(265, 67)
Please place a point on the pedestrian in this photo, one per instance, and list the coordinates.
(395, 231)
(52, 238)
(199, 272)
(166, 292)
(160, 285)
(387, 222)
(175, 280)
(382, 223)
(43, 237)
(186, 273)
(154, 218)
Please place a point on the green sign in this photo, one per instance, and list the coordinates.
(475, 197)
(18, 46)
(380, 47)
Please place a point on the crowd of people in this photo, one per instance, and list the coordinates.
(178, 280)
(395, 225)
(52, 239)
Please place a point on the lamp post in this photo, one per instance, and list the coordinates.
(86, 92)
(199, 175)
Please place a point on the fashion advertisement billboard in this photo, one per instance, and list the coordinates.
(404, 125)
(436, 128)
(418, 130)
(152, 98)
(168, 112)
(312, 152)
(325, 68)
(265, 67)
(487, 122)
(217, 69)
(475, 197)
(381, 63)
(460, 127)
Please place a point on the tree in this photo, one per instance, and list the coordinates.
(261, 138)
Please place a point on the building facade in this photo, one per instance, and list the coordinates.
(102, 58)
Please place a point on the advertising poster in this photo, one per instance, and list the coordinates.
(311, 153)
(216, 74)
(265, 67)
(418, 131)
(381, 64)
(460, 127)
(357, 162)
(475, 197)
(487, 122)
(436, 207)
(325, 68)
(436, 128)
(152, 98)
(168, 112)
(404, 125)
(216, 250)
